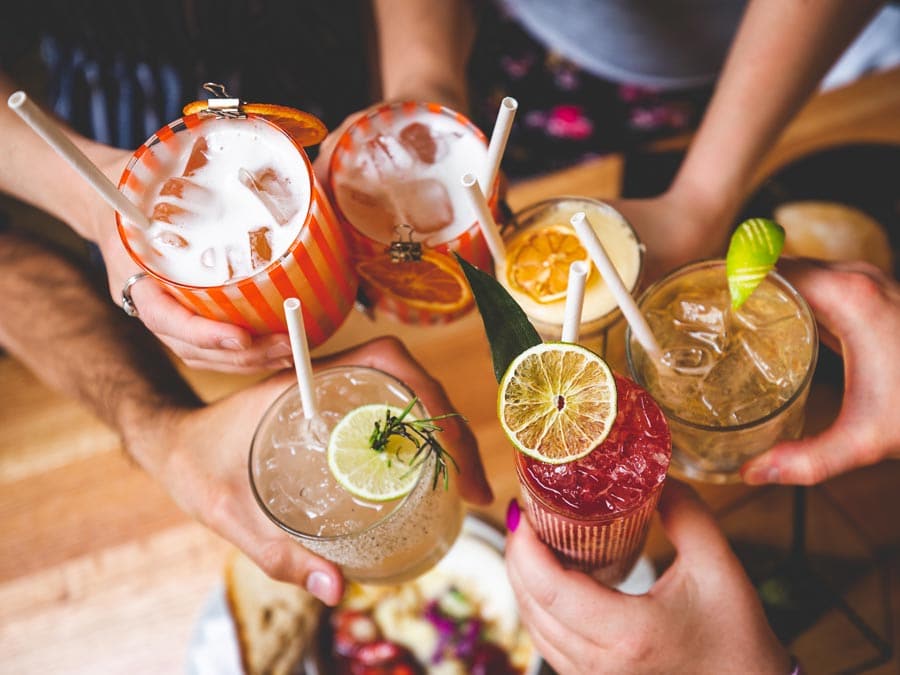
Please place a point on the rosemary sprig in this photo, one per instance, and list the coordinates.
(421, 433)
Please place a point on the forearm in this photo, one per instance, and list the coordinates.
(32, 172)
(780, 53)
(424, 48)
(78, 343)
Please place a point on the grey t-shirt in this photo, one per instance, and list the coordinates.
(666, 44)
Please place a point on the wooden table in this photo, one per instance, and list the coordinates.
(101, 573)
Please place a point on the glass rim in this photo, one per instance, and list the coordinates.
(604, 321)
(424, 106)
(274, 406)
(565, 512)
(154, 139)
(802, 386)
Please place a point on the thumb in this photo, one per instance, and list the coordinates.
(689, 524)
(806, 461)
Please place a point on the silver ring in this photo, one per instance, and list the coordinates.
(127, 301)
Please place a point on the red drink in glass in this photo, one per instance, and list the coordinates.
(595, 512)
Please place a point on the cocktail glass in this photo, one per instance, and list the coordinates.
(238, 225)
(595, 512)
(395, 177)
(372, 542)
(535, 272)
(733, 383)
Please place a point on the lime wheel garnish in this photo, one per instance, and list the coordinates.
(557, 402)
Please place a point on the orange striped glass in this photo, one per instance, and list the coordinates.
(315, 267)
(394, 164)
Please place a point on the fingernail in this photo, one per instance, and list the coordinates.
(277, 351)
(230, 343)
(513, 515)
(320, 585)
(763, 474)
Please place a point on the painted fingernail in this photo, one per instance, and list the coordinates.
(230, 343)
(762, 475)
(277, 351)
(320, 585)
(513, 515)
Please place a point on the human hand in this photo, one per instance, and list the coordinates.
(200, 342)
(676, 229)
(205, 464)
(701, 616)
(858, 310)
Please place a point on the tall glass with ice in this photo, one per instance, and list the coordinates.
(395, 176)
(238, 223)
(732, 382)
(372, 541)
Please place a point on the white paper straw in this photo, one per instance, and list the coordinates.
(578, 272)
(485, 218)
(633, 315)
(499, 137)
(302, 362)
(51, 132)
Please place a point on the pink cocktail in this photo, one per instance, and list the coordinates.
(595, 512)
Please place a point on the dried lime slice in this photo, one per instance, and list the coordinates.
(752, 253)
(375, 475)
(557, 402)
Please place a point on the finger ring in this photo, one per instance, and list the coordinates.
(127, 301)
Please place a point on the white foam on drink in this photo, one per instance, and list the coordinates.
(621, 246)
(220, 211)
(381, 186)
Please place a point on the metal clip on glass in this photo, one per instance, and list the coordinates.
(405, 251)
(221, 105)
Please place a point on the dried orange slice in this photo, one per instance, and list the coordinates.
(303, 127)
(435, 283)
(538, 261)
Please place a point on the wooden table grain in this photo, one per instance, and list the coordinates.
(101, 573)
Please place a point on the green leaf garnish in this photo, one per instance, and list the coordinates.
(508, 330)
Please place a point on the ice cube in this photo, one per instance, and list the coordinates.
(424, 204)
(198, 158)
(368, 209)
(238, 262)
(732, 383)
(420, 142)
(388, 156)
(170, 239)
(167, 212)
(273, 192)
(260, 241)
(208, 258)
(185, 189)
(688, 360)
(701, 317)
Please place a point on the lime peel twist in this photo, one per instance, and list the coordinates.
(753, 251)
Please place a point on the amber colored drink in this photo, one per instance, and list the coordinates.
(595, 512)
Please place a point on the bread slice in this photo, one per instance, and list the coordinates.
(274, 621)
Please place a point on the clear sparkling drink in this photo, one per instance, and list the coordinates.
(732, 382)
(595, 512)
(539, 252)
(373, 542)
(238, 224)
